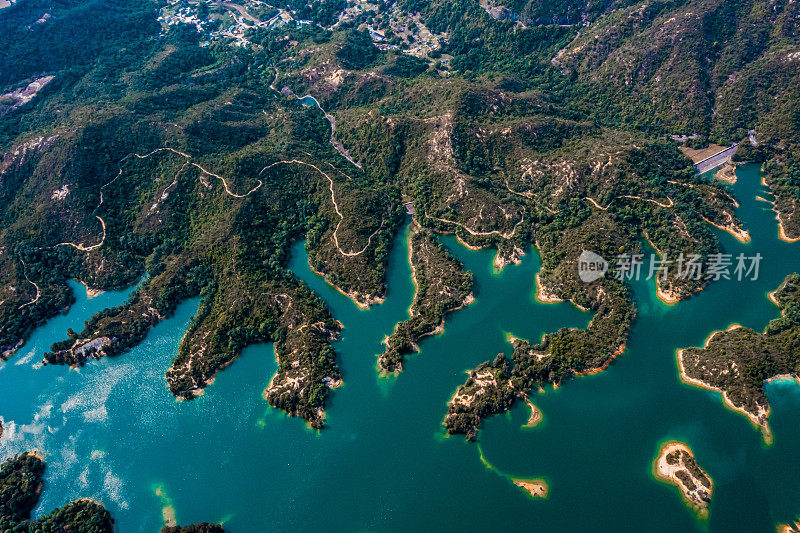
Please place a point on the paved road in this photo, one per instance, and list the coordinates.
(241, 10)
(716, 160)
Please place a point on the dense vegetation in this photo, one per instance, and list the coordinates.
(20, 488)
(739, 361)
(494, 385)
(357, 51)
(783, 178)
(242, 180)
(486, 392)
(168, 158)
(82, 516)
(20, 485)
(714, 69)
(441, 287)
(516, 132)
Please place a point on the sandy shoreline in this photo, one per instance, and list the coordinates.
(784, 377)
(667, 297)
(772, 298)
(592, 371)
(666, 472)
(739, 234)
(514, 258)
(470, 298)
(781, 229)
(543, 296)
(536, 415)
(413, 228)
(90, 292)
(727, 173)
(536, 488)
(353, 295)
(464, 243)
(88, 500)
(672, 297)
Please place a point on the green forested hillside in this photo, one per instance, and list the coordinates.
(180, 156)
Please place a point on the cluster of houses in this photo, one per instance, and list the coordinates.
(184, 15)
(416, 39)
(188, 14)
(282, 19)
(419, 40)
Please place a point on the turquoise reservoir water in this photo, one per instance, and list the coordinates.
(113, 432)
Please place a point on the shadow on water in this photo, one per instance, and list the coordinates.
(112, 430)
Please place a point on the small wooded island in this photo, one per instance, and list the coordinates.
(676, 464)
(442, 286)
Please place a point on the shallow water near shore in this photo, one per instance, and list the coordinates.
(111, 430)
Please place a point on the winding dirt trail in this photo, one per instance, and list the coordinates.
(594, 203)
(335, 206)
(670, 205)
(739, 233)
(660, 204)
(482, 233)
(89, 248)
(38, 291)
(203, 171)
(206, 172)
(339, 147)
(84, 248)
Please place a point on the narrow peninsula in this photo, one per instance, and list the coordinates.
(494, 386)
(442, 286)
